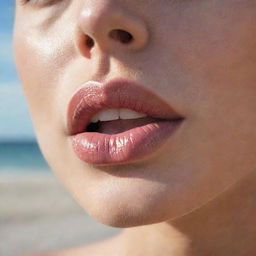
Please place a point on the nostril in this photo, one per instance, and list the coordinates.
(121, 35)
(89, 42)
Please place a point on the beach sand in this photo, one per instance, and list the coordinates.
(37, 214)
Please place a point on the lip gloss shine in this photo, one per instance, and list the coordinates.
(131, 145)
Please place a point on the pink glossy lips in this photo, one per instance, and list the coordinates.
(118, 141)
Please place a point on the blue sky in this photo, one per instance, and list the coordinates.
(15, 123)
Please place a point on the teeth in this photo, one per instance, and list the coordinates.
(114, 114)
(108, 114)
(95, 119)
(126, 113)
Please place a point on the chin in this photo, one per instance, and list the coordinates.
(124, 217)
(123, 203)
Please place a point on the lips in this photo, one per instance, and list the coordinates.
(119, 147)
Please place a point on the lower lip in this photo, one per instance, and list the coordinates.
(128, 146)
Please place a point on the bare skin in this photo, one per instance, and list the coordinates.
(223, 226)
(196, 195)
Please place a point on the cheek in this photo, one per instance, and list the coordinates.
(32, 65)
(212, 44)
(39, 65)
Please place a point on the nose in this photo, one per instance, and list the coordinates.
(107, 25)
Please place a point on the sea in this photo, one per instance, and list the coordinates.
(21, 156)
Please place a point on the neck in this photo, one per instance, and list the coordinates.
(224, 226)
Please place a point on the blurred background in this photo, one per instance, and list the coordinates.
(37, 214)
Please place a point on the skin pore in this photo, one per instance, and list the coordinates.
(196, 195)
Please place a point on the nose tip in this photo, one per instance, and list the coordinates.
(108, 27)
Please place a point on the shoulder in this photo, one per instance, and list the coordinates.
(72, 251)
(83, 251)
(105, 247)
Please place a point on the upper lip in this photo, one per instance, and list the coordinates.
(93, 97)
